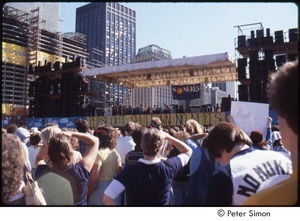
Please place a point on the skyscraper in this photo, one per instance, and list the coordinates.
(159, 97)
(111, 40)
(48, 13)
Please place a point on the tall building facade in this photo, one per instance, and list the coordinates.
(111, 40)
(27, 46)
(229, 86)
(155, 97)
(49, 13)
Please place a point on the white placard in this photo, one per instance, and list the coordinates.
(250, 116)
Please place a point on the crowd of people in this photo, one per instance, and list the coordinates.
(135, 165)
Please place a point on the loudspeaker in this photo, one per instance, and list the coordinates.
(292, 57)
(268, 32)
(241, 41)
(268, 54)
(252, 34)
(255, 91)
(243, 92)
(293, 34)
(253, 69)
(280, 60)
(225, 104)
(278, 36)
(260, 33)
(242, 62)
(241, 73)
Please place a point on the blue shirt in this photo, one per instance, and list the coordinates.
(149, 184)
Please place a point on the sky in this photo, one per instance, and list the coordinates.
(197, 28)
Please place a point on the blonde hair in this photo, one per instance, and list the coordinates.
(49, 132)
(193, 127)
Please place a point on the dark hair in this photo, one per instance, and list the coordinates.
(137, 137)
(283, 83)
(81, 125)
(35, 138)
(129, 127)
(222, 136)
(107, 136)
(275, 127)
(11, 128)
(151, 141)
(257, 139)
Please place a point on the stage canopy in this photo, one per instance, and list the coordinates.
(180, 71)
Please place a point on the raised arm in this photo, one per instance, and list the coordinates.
(93, 145)
(178, 144)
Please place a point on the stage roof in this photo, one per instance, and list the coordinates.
(180, 71)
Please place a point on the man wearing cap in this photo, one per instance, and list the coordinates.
(24, 136)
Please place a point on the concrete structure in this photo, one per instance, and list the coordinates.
(49, 13)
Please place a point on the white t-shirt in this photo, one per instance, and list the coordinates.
(124, 145)
(32, 152)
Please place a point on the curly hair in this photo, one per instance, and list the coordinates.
(284, 83)
(107, 136)
(151, 141)
(13, 160)
(60, 151)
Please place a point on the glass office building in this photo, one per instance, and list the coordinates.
(111, 40)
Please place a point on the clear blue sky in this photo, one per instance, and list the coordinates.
(193, 29)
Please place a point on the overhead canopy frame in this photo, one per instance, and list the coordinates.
(181, 71)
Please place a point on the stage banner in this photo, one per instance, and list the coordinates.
(186, 92)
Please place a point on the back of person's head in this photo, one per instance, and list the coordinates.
(13, 160)
(82, 125)
(35, 138)
(172, 132)
(49, 132)
(225, 136)
(107, 136)
(257, 139)
(137, 137)
(22, 133)
(122, 130)
(151, 141)
(60, 151)
(156, 123)
(11, 128)
(284, 82)
(129, 128)
(275, 127)
(182, 135)
(193, 127)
